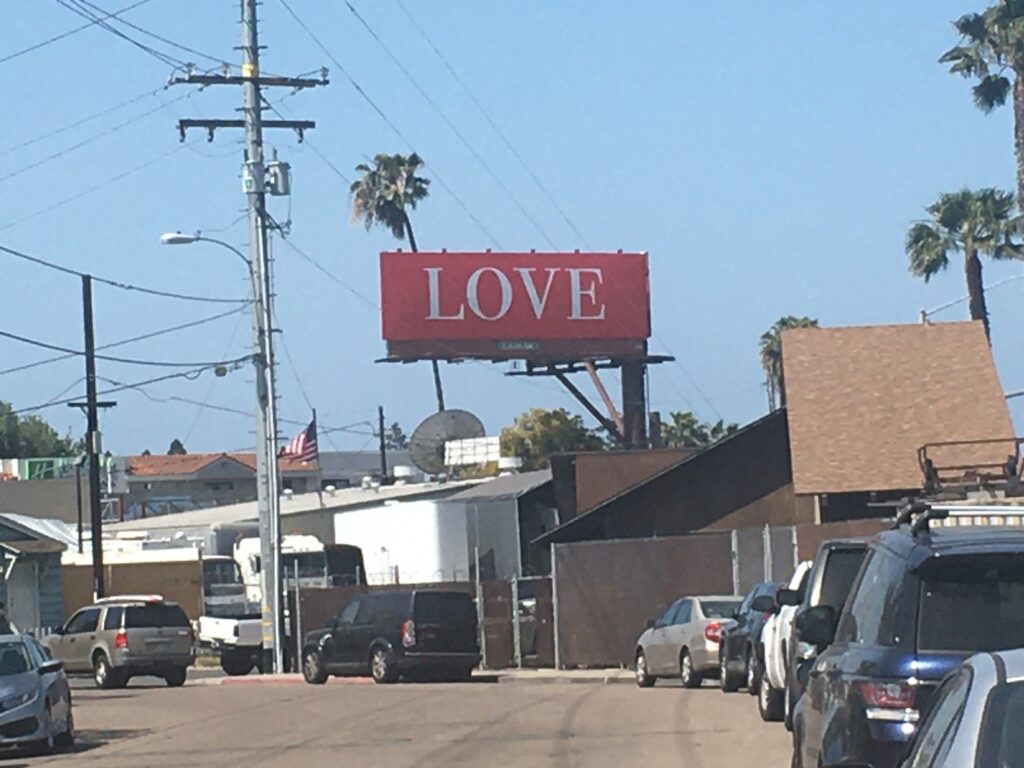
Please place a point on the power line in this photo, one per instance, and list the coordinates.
(55, 38)
(164, 58)
(91, 139)
(454, 128)
(123, 360)
(118, 284)
(497, 129)
(131, 340)
(324, 271)
(394, 128)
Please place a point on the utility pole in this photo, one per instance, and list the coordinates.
(255, 183)
(92, 440)
(383, 444)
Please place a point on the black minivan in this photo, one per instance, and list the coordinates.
(391, 634)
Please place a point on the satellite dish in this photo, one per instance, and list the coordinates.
(426, 446)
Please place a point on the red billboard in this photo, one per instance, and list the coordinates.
(542, 306)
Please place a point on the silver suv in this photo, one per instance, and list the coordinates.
(118, 638)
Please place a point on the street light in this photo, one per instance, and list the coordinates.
(267, 483)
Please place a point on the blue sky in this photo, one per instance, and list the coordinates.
(768, 156)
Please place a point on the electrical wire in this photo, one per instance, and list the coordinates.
(123, 360)
(62, 35)
(131, 340)
(497, 128)
(451, 125)
(116, 283)
(394, 128)
(164, 58)
(95, 137)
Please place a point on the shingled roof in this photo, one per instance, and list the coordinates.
(860, 401)
(190, 463)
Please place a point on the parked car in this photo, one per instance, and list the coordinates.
(683, 643)
(118, 638)
(774, 645)
(835, 568)
(976, 716)
(738, 662)
(924, 601)
(35, 698)
(396, 633)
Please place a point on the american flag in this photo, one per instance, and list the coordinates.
(303, 446)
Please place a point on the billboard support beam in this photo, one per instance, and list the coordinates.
(634, 405)
(594, 411)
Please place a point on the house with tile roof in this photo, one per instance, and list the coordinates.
(873, 414)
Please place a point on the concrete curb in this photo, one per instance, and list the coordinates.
(504, 678)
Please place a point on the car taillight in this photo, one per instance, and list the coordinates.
(713, 631)
(886, 695)
(121, 640)
(409, 633)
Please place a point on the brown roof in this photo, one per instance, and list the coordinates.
(190, 463)
(861, 401)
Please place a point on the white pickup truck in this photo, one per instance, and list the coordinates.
(238, 641)
(774, 636)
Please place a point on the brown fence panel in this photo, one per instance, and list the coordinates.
(782, 541)
(499, 650)
(809, 537)
(539, 640)
(180, 582)
(749, 557)
(605, 591)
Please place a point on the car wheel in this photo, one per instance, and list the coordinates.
(787, 708)
(314, 671)
(104, 675)
(175, 678)
(726, 680)
(47, 744)
(382, 667)
(753, 674)
(235, 663)
(66, 740)
(691, 678)
(644, 679)
(770, 702)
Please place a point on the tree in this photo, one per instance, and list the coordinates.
(177, 448)
(684, 430)
(771, 355)
(395, 439)
(991, 50)
(30, 437)
(383, 196)
(538, 433)
(973, 222)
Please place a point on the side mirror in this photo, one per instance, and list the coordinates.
(788, 597)
(650, 624)
(60, 631)
(50, 666)
(763, 604)
(817, 625)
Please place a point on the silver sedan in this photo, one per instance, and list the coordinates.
(683, 643)
(35, 697)
(976, 717)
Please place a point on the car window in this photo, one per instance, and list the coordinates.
(449, 608)
(348, 613)
(875, 613)
(83, 621)
(668, 615)
(840, 571)
(718, 609)
(367, 610)
(35, 652)
(14, 658)
(113, 618)
(804, 581)
(154, 616)
(1002, 738)
(936, 735)
(685, 613)
(972, 604)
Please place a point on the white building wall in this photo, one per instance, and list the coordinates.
(421, 541)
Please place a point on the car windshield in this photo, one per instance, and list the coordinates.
(154, 616)
(719, 609)
(452, 608)
(13, 659)
(312, 565)
(972, 604)
(1002, 738)
(221, 572)
(840, 571)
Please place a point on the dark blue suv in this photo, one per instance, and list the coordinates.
(924, 600)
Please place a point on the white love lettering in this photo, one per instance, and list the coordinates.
(537, 302)
(473, 298)
(577, 292)
(434, 293)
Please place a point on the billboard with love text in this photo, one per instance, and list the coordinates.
(534, 306)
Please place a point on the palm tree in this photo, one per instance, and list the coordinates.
(991, 50)
(771, 356)
(383, 196)
(974, 222)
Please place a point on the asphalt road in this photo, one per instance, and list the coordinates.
(419, 726)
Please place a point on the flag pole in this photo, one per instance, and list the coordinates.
(319, 467)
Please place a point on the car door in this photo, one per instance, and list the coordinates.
(658, 655)
(54, 683)
(335, 651)
(76, 642)
(680, 634)
(938, 732)
(735, 640)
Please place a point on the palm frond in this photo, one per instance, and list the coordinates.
(926, 250)
(991, 92)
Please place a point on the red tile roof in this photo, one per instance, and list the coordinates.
(189, 464)
(861, 401)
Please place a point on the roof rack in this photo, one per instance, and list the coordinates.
(919, 515)
(130, 599)
(987, 470)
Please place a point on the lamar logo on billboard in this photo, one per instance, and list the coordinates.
(514, 296)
